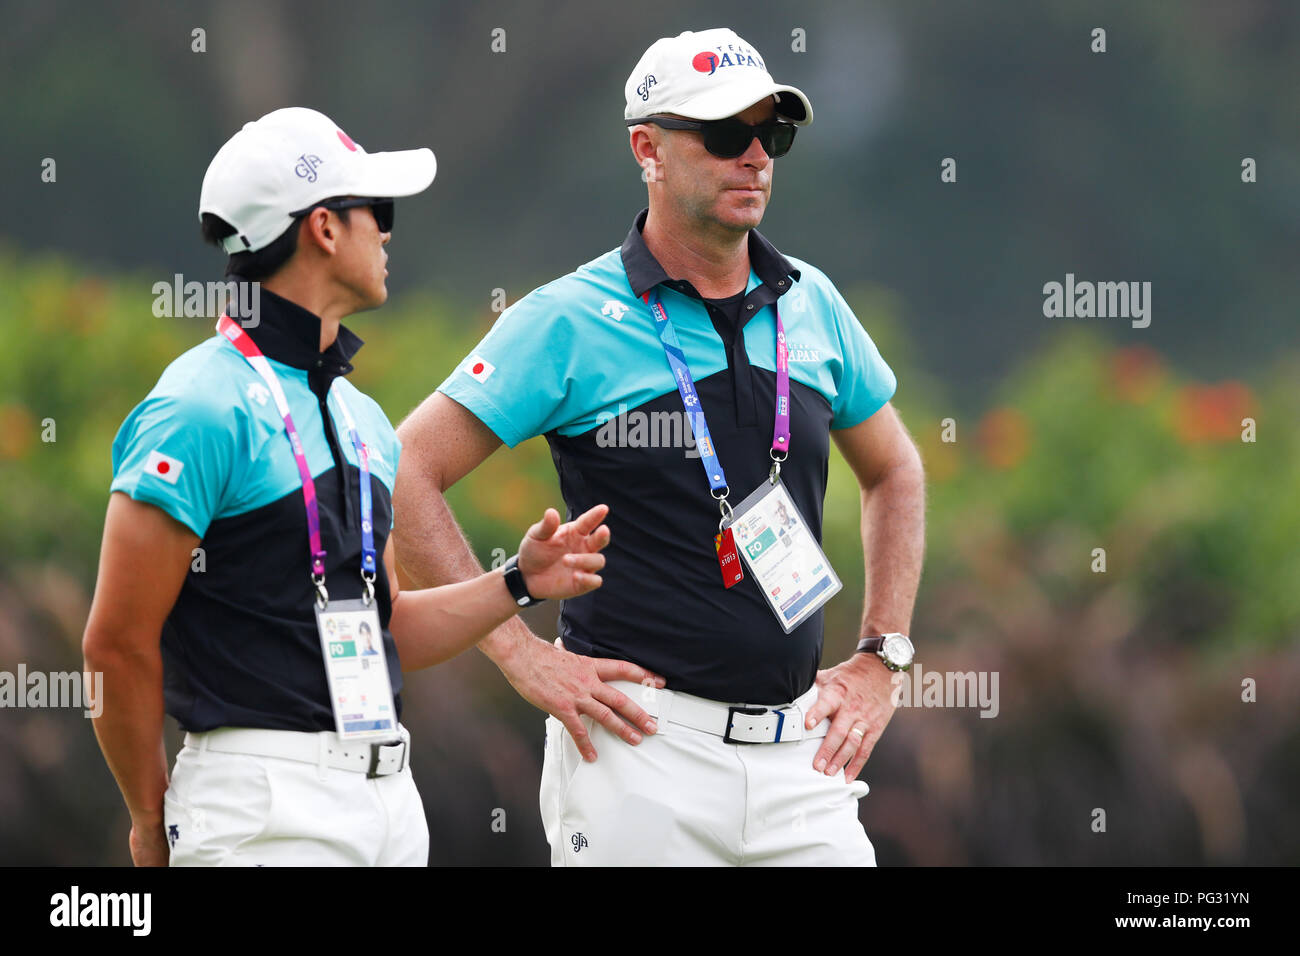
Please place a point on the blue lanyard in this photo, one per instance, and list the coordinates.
(690, 398)
(695, 410)
(363, 462)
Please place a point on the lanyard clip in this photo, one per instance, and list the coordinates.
(724, 508)
(775, 471)
(369, 578)
(322, 595)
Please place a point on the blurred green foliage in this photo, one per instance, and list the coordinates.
(1117, 165)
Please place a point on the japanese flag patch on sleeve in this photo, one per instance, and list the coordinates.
(479, 368)
(188, 479)
(163, 466)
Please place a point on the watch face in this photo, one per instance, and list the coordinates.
(898, 650)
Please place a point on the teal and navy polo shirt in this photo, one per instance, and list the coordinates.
(240, 647)
(578, 360)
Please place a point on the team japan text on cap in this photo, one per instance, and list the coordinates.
(708, 75)
(290, 159)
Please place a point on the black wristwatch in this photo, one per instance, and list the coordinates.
(515, 582)
(894, 650)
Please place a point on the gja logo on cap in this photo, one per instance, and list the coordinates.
(307, 166)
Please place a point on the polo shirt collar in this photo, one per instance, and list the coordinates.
(290, 334)
(644, 271)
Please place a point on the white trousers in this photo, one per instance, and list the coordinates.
(225, 809)
(683, 797)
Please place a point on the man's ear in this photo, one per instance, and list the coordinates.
(319, 230)
(645, 147)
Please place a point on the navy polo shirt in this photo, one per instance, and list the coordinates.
(579, 361)
(240, 647)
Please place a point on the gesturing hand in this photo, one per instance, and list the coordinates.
(561, 560)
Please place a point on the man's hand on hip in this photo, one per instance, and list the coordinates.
(858, 697)
(568, 685)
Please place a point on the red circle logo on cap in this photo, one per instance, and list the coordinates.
(347, 140)
(706, 62)
(478, 368)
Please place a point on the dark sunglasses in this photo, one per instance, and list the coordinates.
(729, 138)
(382, 209)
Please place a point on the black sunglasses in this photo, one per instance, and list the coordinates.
(382, 208)
(729, 138)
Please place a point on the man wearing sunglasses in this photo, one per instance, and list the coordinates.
(693, 378)
(246, 581)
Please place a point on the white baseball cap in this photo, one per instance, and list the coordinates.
(708, 75)
(291, 159)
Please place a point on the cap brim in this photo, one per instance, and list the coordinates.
(727, 101)
(398, 173)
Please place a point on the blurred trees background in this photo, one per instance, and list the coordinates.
(1120, 689)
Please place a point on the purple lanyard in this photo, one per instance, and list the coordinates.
(248, 348)
(695, 409)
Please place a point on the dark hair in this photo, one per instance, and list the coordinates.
(265, 262)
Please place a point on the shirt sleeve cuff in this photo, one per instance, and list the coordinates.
(852, 417)
(486, 412)
(170, 505)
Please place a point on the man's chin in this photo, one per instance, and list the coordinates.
(372, 302)
(742, 216)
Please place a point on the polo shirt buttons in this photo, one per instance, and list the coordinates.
(750, 306)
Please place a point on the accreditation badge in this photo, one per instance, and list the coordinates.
(360, 691)
(782, 555)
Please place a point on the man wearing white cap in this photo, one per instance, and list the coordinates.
(247, 559)
(694, 346)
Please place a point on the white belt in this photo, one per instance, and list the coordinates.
(734, 723)
(323, 749)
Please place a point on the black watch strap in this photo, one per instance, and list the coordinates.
(515, 582)
(870, 645)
